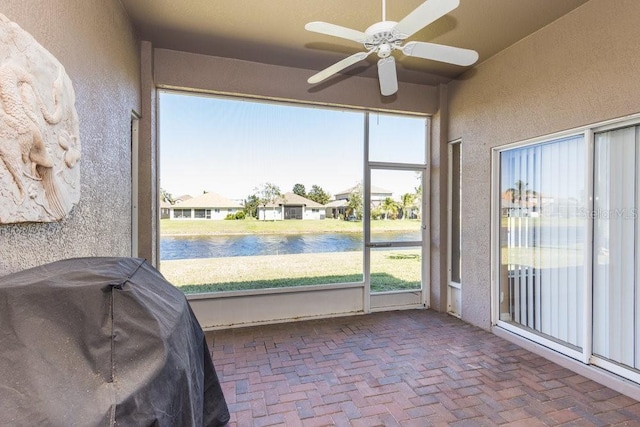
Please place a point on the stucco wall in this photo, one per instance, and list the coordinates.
(438, 214)
(581, 69)
(95, 42)
(182, 70)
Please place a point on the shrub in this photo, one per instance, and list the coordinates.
(376, 213)
(240, 215)
(230, 216)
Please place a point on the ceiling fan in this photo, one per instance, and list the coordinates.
(384, 37)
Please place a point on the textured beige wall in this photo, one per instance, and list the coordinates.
(95, 42)
(579, 70)
(183, 70)
(438, 181)
(148, 192)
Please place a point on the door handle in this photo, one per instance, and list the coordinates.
(379, 245)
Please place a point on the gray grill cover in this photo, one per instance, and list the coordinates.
(102, 341)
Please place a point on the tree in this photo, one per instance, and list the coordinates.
(267, 194)
(522, 197)
(354, 203)
(389, 207)
(300, 190)
(521, 192)
(165, 196)
(251, 204)
(407, 202)
(318, 195)
(418, 200)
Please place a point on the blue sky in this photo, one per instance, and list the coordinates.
(230, 146)
(553, 170)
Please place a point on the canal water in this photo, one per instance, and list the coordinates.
(186, 247)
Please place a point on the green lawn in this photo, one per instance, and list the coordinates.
(390, 270)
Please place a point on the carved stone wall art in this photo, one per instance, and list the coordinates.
(39, 132)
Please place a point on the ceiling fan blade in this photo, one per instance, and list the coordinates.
(422, 16)
(338, 66)
(336, 31)
(387, 76)
(438, 52)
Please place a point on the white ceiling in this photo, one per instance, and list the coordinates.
(272, 31)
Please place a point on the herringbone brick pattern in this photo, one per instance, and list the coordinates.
(407, 368)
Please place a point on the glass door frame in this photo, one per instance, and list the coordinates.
(582, 354)
(424, 245)
(590, 356)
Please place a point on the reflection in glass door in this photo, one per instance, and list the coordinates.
(542, 240)
(395, 211)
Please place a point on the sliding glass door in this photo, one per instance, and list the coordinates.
(568, 244)
(542, 239)
(616, 296)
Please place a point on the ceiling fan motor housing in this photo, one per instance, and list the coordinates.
(381, 38)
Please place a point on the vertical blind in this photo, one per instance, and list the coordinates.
(542, 238)
(615, 245)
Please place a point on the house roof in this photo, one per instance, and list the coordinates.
(208, 200)
(374, 191)
(292, 199)
(342, 203)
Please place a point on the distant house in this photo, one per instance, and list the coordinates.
(207, 206)
(338, 207)
(165, 206)
(378, 194)
(291, 206)
(165, 209)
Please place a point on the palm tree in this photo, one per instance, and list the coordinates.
(521, 195)
(354, 203)
(390, 207)
(407, 202)
(418, 200)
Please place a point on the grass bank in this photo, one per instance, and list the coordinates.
(390, 270)
(174, 227)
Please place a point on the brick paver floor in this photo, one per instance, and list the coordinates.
(403, 368)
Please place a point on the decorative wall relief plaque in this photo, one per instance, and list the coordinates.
(39, 133)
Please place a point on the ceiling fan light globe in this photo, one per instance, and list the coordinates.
(384, 50)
